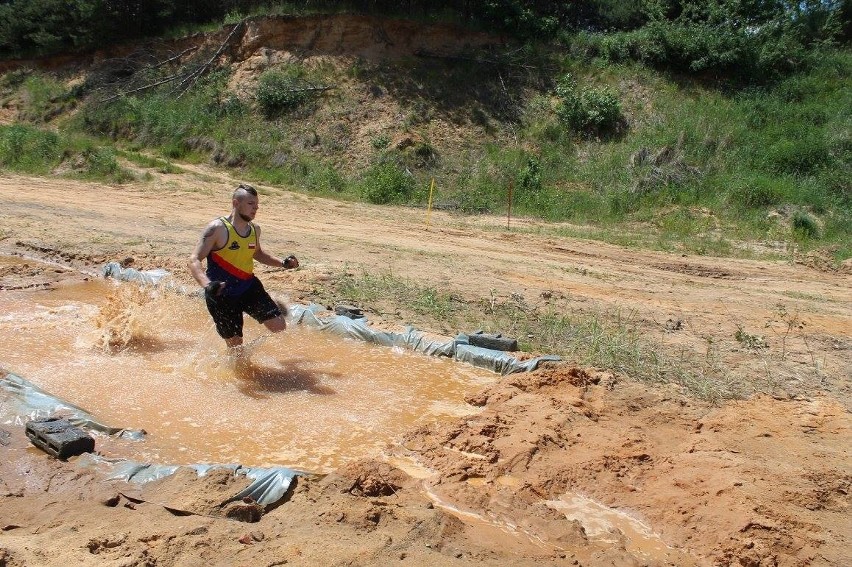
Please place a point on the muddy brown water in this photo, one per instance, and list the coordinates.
(149, 359)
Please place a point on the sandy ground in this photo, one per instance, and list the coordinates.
(565, 465)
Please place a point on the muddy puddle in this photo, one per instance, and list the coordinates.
(147, 359)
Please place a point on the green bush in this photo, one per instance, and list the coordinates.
(281, 91)
(755, 192)
(529, 179)
(804, 155)
(805, 225)
(43, 98)
(387, 183)
(29, 149)
(326, 179)
(380, 142)
(99, 163)
(120, 118)
(746, 42)
(588, 110)
(230, 106)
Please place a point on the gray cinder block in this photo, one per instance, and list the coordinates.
(56, 436)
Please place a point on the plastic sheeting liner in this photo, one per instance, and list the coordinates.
(26, 398)
(269, 485)
(458, 349)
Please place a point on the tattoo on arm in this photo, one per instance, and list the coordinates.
(208, 232)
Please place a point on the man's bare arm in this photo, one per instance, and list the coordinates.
(211, 239)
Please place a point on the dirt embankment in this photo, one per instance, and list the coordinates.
(561, 466)
(343, 35)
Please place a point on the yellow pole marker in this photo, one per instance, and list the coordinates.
(429, 209)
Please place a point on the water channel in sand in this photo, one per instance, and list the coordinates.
(145, 358)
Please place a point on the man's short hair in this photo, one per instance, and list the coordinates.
(245, 187)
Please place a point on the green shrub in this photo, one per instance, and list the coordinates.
(281, 91)
(380, 142)
(326, 179)
(804, 155)
(745, 42)
(43, 98)
(529, 179)
(174, 149)
(755, 192)
(120, 118)
(588, 110)
(805, 225)
(230, 106)
(29, 149)
(387, 183)
(99, 163)
(424, 154)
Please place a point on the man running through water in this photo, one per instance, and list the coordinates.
(231, 245)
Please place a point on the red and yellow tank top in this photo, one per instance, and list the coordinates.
(234, 262)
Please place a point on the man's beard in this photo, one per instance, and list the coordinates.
(245, 217)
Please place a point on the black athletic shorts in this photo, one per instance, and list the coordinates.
(227, 311)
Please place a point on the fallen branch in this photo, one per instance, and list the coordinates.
(170, 59)
(309, 89)
(190, 80)
(186, 79)
(143, 88)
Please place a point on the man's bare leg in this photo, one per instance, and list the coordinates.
(235, 346)
(276, 324)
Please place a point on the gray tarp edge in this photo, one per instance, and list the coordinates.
(458, 348)
(268, 486)
(27, 398)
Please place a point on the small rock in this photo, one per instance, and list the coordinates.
(257, 536)
(247, 540)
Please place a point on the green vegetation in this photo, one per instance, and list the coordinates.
(33, 150)
(610, 340)
(669, 123)
(589, 111)
(281, 91)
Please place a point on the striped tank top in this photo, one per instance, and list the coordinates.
(234, 262)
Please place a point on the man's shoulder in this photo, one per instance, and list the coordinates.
(216, 226)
